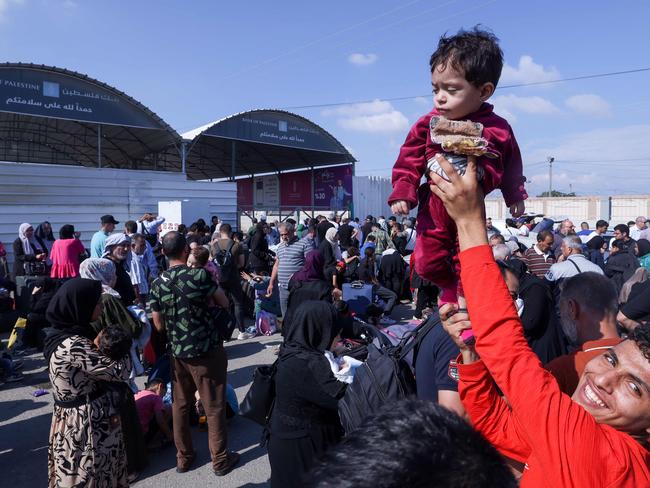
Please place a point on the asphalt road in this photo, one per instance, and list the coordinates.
(25, 425)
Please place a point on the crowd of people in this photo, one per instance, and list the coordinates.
(530, 364)
(98, 317)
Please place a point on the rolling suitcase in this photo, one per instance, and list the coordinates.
(358, 296)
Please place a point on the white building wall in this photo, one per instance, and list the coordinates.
(79, 196)
(370, 195)
(629, 208)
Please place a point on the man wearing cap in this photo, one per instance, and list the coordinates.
(98, 241)
(117, 249)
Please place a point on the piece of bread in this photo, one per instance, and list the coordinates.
(442, 126)
(458, 136)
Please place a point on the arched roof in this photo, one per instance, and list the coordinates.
(54, 115)
(264, 141)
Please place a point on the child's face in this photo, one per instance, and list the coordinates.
(138, 247)
(454, 96)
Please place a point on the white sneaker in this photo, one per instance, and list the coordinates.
(387, 321)
(242, 336)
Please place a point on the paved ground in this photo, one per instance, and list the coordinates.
(25, 423)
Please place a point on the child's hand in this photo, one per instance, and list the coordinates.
(517, 209)
(400, 207)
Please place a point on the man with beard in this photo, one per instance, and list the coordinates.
(588, 306)
(117, 249)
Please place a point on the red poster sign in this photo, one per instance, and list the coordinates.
(245, 193)
(295, 190)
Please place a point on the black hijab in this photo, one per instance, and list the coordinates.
(595, 243)
(70, 311)
(526, 279)
(643, 245)
(40, 232)
(519, 267)
(313, 328)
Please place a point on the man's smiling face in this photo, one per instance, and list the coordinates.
(614, 388)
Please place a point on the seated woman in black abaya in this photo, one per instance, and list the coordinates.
(305, 421)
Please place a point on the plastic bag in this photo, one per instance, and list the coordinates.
(266, 323)
(17, 332)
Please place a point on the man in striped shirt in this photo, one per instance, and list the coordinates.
(290, 257)
(539, 258)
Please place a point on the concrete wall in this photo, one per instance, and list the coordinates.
(79, 196)
(615, 209)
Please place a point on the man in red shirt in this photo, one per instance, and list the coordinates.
(594, 438)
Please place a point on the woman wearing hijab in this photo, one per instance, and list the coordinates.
(65, 254)
(331, 252)
(44, 232)
(643, 247)
(392, 270)
(304, 422)
(259, 250)
(86, 446)
(114, 312)
(308, 283)
(27, 249)
(595, 252)
(538, 317)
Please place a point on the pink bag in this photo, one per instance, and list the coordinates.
(266, 323)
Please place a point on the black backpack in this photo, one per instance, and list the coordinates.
(385, 376)
(223, 260)
(152, 239)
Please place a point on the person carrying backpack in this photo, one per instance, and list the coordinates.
(229, 259)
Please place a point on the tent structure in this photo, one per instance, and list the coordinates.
(52, 115)
(260, 142)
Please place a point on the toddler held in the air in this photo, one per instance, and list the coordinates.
(465, 70)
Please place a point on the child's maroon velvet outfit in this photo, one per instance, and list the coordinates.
(436, 249)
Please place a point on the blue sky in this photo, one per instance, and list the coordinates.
(195, 62)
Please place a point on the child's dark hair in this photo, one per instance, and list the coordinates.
(369, 253)
(201, 255)
(115, 342)
(153, 383)
(476, 53)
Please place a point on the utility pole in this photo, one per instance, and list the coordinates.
(550, 160)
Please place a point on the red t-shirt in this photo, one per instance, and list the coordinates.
(560, 442)
(147, 403)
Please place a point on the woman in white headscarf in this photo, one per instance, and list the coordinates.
(331, 252)
(28, 248)
(114, 311)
